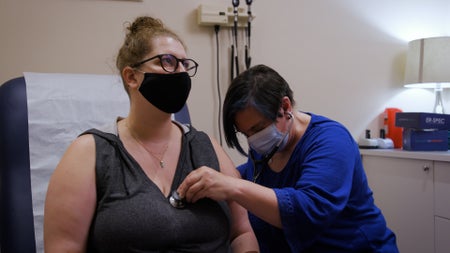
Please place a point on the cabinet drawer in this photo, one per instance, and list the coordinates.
(442, 235)
(442, 189)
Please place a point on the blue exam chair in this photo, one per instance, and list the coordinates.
(16, 212)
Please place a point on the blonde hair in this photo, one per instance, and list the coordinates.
(138, 38)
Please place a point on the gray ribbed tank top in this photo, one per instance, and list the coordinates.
(133, 215)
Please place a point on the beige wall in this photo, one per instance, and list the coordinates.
(343, 58)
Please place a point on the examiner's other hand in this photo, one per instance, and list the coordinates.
(205, 182)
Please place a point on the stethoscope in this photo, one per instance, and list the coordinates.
(266, 158)
(261, 162)
(176, 201)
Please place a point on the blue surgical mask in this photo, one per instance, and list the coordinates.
(268, 139)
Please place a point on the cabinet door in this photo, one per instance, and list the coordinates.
(442, 189)
(442, 235)
(442, 206)
(403, 190)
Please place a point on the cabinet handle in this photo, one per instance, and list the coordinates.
(426, 168)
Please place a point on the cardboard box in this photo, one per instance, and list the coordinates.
(422, 120)
(425, 140)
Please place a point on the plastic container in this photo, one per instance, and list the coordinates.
(392, 132)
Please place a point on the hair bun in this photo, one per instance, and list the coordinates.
(145, 23)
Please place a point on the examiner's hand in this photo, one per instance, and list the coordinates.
(205, 182)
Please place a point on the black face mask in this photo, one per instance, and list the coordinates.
(167, 92)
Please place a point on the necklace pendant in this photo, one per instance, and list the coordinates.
(161, 164)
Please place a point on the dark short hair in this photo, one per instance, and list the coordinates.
(259, 87)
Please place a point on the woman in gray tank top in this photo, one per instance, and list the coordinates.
(114, 188)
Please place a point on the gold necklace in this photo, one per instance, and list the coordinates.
(160, 159)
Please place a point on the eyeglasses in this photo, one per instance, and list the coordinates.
(170, 63)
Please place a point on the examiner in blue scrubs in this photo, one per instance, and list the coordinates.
(305, 187)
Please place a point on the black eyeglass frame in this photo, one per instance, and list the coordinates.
(159, 56)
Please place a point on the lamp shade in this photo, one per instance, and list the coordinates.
(428, 63)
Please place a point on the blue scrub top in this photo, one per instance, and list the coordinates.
(323, 196)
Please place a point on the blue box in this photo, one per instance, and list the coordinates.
(422, 120)
(425, 140)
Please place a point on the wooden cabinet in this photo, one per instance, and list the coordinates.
(403, 190)
(442, 234)
(442, 206)
(412, 189)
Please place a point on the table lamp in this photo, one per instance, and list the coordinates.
(428, 66)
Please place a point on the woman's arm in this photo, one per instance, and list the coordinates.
(228, 185)
(243, 237)
(71, 199)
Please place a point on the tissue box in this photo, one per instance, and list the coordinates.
(425, 140)
(422, 120)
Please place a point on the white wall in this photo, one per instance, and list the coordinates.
(344, 59)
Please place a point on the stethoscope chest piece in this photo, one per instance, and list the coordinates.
(176, 201)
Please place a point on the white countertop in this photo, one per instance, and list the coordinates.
(399, 153)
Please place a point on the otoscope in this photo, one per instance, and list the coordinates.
(234, 47)
(248, 59)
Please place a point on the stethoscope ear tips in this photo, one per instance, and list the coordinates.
(290, 115)
(176, 201)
